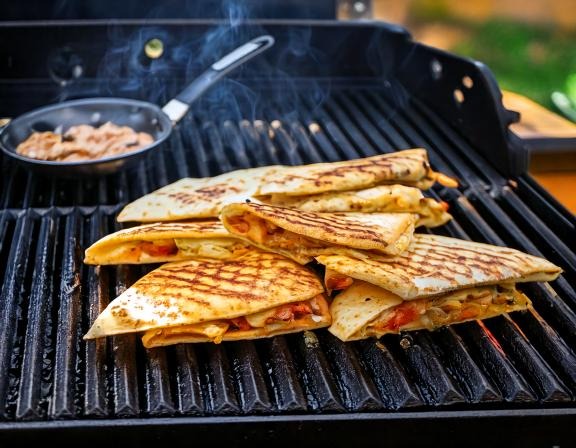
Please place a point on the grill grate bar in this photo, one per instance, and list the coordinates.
(539, 375)
(11, 296)
(402, 125)
(357, 388)
(396, 391)
(462, 368)
(364, 121)
(158, 395)
(557, 250)
(286, 144)
(188, 381)
(65, 362)
(279, 363)
(556, 352)
(336, 133)
(556, 216)
(222, 397)
(319, 383)
(381, 121)
(233, 140)
(345, 131)
(435, 385)
(124, 370)
(95, 403)
(29, 406)
(216, 147)
(494, 361)
(249, 377)
(191, 138)
(461, 149)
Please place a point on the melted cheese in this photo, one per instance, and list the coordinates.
(218, 248)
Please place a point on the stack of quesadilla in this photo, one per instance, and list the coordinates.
(382, 183)
(253, 296)
(438, 281)
(303, 235)
(164, 242)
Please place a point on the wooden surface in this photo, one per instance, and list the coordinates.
(554, 170)
(537, 121)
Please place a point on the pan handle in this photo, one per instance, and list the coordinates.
(178, 107)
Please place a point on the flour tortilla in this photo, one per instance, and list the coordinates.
(303, 235)
(207, 292)
(437, 264)
(380, 199)
(192, 198)
(364, 310)
(201, 198)
(409, 167)
(165, 242)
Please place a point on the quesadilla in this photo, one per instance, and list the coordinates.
(435, 264)
(195, 198)
(364, 310)
(409, 167)
(257, 295)
(303, 235)
(381, 199)
(203, 198)
(163, 242)
(437, 281)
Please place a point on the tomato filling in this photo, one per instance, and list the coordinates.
(159, 248)
(338, 282)
(432, 313)
(264, 232)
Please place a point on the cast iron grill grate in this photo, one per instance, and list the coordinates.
(49, 298)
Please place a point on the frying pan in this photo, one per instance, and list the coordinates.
(139, 115)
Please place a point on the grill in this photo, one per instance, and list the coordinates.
(515, 375)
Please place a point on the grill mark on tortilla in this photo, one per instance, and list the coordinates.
(240, 279)
(487, 255)
(172, 227)
(434, 264)
(296, 217)
(368, 167)
(208, 193)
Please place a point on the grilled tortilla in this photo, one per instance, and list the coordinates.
(163, 242)
(364, 310)
(255, 295)
(302, 235)
(195, 198)
(204, 198)
(436, 264)
(409, 167)
(381, 199)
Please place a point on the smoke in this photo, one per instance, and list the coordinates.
(264, 86)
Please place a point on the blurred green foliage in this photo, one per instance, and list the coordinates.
(528, 59)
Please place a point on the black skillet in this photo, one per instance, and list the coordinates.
(139, 115)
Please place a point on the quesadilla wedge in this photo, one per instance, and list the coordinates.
(409, 167)
(203, 198)
(255, 295)
(163, 242)
(364, 310)
(435, 265)
(195, 198)
(381, 199)
(303, 235)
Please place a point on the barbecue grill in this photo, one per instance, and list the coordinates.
(328, 91)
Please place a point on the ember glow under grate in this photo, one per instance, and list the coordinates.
(49, 298)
